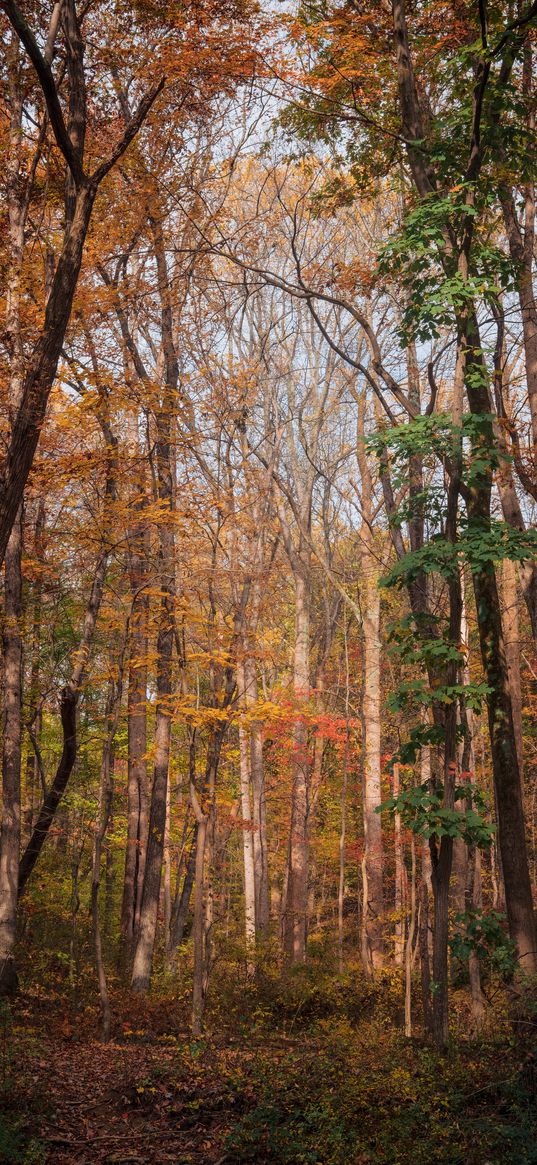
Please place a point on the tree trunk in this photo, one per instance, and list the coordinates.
(511, 634)
(409, 946)
(247, 830)
(373, 903)
(180, 915)
(295, 920)
(399, 897)
(165, 470)
(137, 794)
(342, 854)
(11, 760)
(259, 807)
(35, 776)
(143, 958)
(113, 706)
(198, 929)
(507, 776)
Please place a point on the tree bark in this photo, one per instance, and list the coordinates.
(137, 793)
(259, 808)
(247, 826)
(295, 921)
(106, 793)
(373, 903)
(165, 418)
(11, 760)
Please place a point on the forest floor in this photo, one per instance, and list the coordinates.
(312, 1072)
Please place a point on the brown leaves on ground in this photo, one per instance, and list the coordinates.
(141, 1098)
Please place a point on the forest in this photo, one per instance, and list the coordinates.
(268, 597)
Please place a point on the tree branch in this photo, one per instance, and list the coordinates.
(48, 85)
(133, 126)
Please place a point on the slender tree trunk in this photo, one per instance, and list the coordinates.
(247, 829)
(441, 869)
(409, 946)
(473, 897)
(180, 914)
(425, 965)
(521, 240)
(259, 807)
(372, 937)
(295, 921)
(113, 706)
(373, 903)
(137, 794)
(198, 929)
(399, 876)
(511, 634)
(167, 879)
(17, 207)
(507, 775)
(475, 894)
(143, 957)
(35, 776)
(342, 855)
(165, 420)
(11, 760)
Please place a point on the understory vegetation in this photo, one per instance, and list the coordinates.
(308, 1068)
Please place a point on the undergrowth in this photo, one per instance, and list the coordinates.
(310, 1067)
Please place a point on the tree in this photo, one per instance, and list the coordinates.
(81, 191)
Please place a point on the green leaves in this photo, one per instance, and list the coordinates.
(481, 545)
(410, 691)
(422, 810)
(485, 936)
(422, 258)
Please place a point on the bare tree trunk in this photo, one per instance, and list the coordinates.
(372, 931)
(473, 896)
(342, 855)
(474, 970)
(373, 903)
(143, 956)
(165, 418)
(179, 917)
(113, 706)
(521, 240)
(17, 204)
(137, 794)
(399, 876)
(11, 760)
(247, 830)
(424, 894)
(259, 807)
(35, 776)
(409, 947)
(510, 623)
(295, 921)
(198, 995)
(167, 879)
(425, 965)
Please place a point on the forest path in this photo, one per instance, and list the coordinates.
(139, 1098)
(261, 1086)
